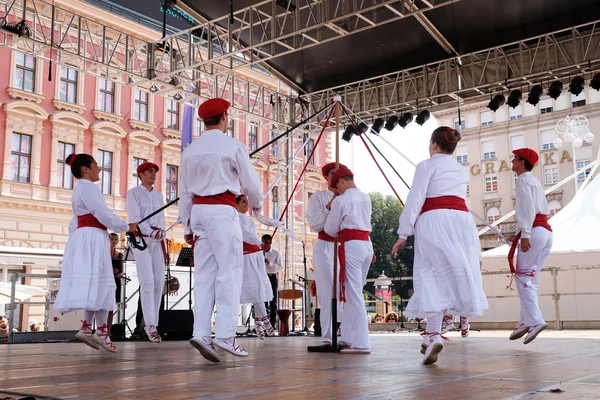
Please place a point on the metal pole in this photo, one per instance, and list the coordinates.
(575, 164)
(13, 294)
(556, 297)
(335, 242)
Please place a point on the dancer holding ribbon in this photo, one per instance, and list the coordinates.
(87, 281)
(534, 235)
(447, 279)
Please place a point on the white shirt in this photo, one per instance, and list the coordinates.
(88, 199)
(213, 164)
(316, 212)
(141, 202)
(352, 210)
(275, 265)
(249, 231)
(440, 175)
(530, 200)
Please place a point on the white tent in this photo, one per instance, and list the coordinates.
(575, 255)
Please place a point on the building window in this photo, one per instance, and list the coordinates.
(309, 151)
(136, 179)
(545, 106)
(275, 149)
(252, 137)
(515, 176)
(461, 126)
(63, 170)
(230, 130)
(550, 174)
(580, 164)
(68, 84)
(487, 118)
(517, 142)
(493, 215)
(554, 207)
(25, 72)
(140, 106)
(547, 139)
(491, 183)
(275, 202)
(461, 155)
(488, 148)
(107, 96)
(172, 180)
(105, 164)
(468, 189)
(577, 101)
(199, 128)
(515, 113)
(172, 120)
(20, 157)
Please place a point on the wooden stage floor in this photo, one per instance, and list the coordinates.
(485, 366)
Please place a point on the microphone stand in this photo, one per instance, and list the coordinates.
(306, 301)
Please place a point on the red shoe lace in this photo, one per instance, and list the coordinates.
(235, 346)
(85, 326)
(154, 334)
(105, 336)
(431, 334)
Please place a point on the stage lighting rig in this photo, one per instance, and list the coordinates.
(422, 117)
(534, 95)
(515, 98)
(555, 89)
(496, 102)
(377, 125)
(577, 85)
(406, 119)
(391, 123)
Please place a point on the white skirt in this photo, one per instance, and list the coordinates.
(256, 287)
(446, 273)
(86, 281)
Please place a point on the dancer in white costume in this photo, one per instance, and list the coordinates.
(256, 288)
(213, 169)
(150, 263)
(535, 234)
(350, 221)
(318, 208)
(87, 281)
(446, 275)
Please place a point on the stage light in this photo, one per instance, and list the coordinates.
(391, 123)
(362, 128)
(377, 125)
(496, 102)
(177, 96)
(422, 117)
(348, 133)
(154, 88)
(577, 85)
(534, 95)
(555, 89)
(514, 99)
(406, 119)
(595, 82)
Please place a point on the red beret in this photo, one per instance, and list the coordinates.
(147, 165)
(339, 174)
(328, 167)
(213, 107)
(527, 154)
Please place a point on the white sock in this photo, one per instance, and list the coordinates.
(88, 317)
(101, 317)
(434, 323)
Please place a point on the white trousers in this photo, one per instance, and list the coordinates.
(532, 261)
(260, 310)
(150, 265)
(355, 328)
(323, 266)
(218, 271)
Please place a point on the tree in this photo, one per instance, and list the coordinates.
(384, 225)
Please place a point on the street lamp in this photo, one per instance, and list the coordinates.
(575, 131)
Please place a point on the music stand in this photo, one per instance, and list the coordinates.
(186, 259)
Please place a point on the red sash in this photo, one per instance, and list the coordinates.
(540, 220)
(347, 235)
(325, 237)
(251, 248)
(226, 198)
(89, 221)
(444, 203)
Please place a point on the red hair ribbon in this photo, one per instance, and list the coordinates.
(73, 157)
(446, 135)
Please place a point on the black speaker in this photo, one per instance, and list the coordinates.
(176, 324)
(117, 332)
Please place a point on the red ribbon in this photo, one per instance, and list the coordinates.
(251, 248)
(326, 237)
(226, 198)
(347, 235)
(444, 203)
(89, 221)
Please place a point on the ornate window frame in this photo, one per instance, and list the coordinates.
(37, 96)
(115, 116)
(107, 135)
(140, 144)
(171, 154)
(23, 116)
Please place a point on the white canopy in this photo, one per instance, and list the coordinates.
(575, 227)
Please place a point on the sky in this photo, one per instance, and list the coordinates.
(413, 142)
